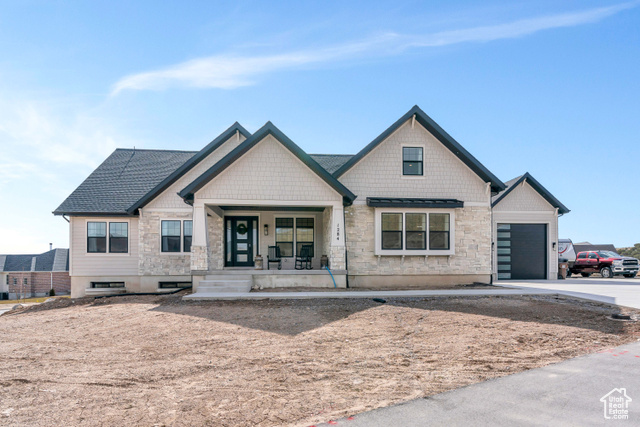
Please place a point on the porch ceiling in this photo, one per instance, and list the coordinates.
(274, 208)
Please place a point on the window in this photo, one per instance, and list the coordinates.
(416, 231)
(412, 161)
(592, 255)
(15, 281)
(173, 285)
(421, 232)
(97, 237)
(170, 236)
(582, 256)
(107, 284)
(438, 231)
(187, 227)
(391, 231)
(304, 234)
(118, 237)
(284, 236)
(24, 281)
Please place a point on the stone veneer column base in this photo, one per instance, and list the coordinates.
(199, 258)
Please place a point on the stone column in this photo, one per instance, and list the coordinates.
(199, 251)
(337, 258)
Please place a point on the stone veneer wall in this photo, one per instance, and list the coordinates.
(152, 261)
(472, 246)
(215, 230)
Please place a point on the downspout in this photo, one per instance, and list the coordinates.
(492, 241)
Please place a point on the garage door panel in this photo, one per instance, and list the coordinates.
(522, 251)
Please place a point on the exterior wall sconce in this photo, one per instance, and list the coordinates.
(554, 246)
(266, 229)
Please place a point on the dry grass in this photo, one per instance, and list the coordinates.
(161, 361)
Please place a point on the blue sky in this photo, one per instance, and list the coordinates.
(547, 87)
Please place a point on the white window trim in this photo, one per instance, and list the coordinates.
(107, 253)
(413, 252)
(295, 240)
(424, 150)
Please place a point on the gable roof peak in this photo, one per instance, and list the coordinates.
(529, 179)
(445, 139)
(234, 129)
(267, 129)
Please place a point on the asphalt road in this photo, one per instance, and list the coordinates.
(564, 394)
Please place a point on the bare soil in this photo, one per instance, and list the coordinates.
(160, 361)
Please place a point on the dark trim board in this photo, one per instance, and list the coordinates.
(272, 208)
(268, 129)
(385, 202)
(186, 167)
(447, 140)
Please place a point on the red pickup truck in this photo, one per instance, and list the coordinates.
(607, 263)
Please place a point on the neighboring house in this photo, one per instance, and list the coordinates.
(35, 275)
(586, 246)
(412, 209)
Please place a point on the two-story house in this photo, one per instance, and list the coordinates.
(412, 209)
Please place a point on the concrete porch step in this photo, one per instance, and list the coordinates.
(218, 284)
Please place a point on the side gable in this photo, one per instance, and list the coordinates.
(434, 129)
(525, 193)
(163, 195)
(266, 153)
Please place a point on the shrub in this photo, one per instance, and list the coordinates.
(52, 293)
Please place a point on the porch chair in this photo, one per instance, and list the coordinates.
(304, 259)
(274, 256)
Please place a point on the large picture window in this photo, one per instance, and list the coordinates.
(96, 237)
(187, 227)
(392, 231)
(170, 236)
(408, 232)
(416, 231)
(118, 237)
(284, 236)
(439, 231)
(304, 234)
(412, 161)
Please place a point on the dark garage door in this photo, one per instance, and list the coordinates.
(522, 251)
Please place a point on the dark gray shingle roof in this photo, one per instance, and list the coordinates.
(121, 180)
(331, 162)
(53, 260)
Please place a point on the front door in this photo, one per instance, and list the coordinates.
(240, 236)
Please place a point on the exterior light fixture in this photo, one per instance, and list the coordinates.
(266, 229)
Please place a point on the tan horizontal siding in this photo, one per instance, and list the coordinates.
(84, 264)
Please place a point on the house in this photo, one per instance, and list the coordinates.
(412, 209)
(35, 275)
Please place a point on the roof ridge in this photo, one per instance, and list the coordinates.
(156, 149)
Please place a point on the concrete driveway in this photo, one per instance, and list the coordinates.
(620, 291)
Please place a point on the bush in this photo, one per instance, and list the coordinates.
(52, 293)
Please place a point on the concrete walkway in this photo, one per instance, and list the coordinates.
(620, 291)
(564, 394)
(367, 294)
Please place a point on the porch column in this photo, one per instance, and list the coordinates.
(199, 244)
(337, 250)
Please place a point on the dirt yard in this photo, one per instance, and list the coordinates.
(161, 361)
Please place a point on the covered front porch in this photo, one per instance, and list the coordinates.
(234, 243)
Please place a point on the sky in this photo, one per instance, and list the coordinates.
(545, 87)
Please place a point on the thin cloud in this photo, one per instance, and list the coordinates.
(230, 72)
